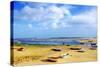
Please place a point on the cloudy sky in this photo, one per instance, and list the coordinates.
(43, 20)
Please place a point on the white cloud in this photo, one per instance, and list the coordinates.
(51, 15)
(60, 25)
(55, 25)
(27, 10)
(30, 26)
(55, 17)
(87, 18)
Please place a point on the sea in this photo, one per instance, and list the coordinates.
(47, 41)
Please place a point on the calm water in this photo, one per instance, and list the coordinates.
(53, 42)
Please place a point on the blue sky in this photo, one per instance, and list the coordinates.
(44, 20)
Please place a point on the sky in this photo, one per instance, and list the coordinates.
(45, 20)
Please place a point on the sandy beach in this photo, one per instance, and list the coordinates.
(36, 54)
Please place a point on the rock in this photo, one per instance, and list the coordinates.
(64, 55)
(55, 57)
(55, 49)
(81, 51)
(67, 45)
(75, 48)
(49, 60)
(20, 49)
